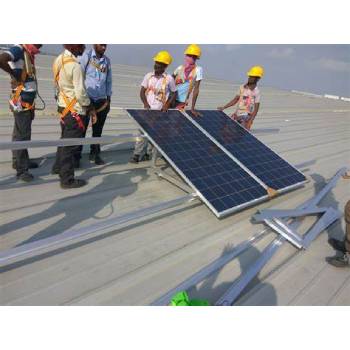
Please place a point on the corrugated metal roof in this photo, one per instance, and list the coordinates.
(137, 263)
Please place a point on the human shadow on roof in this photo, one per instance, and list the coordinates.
(75, 209)
(211, 291)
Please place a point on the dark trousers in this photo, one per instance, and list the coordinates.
(347, 226)
(22, 131)
(64, 163)
(77, 154)
(98, 126)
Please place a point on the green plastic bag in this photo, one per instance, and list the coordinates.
(182, 299)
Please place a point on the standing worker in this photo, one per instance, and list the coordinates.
(342, 246)
(188, 77)
(98, 83)
(74, 108)
(18, 61)
(158, 93)
(248, 99)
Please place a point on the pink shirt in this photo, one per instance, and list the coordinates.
(158, 89)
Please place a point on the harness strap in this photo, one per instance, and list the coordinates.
(69, 103)
(162, 90)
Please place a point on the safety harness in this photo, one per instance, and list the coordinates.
(180, 79)
(157, 92)
(69, 103)
(249, 123)
(27, 71)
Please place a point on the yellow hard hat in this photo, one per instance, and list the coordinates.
(256, 71)
(163, 57)
(194, 50)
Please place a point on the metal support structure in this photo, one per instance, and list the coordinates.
(157, 170)
(288, 213)
(14, 145)
(27, 250)
(328, 218)
(237, 288)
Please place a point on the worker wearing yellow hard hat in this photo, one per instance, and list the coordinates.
(158, 93)
(247, 99)
(187, 78)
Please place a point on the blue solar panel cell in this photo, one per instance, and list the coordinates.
(261, 161)
(224, 185)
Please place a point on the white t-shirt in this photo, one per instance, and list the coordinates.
(247, 100)
(156, 87)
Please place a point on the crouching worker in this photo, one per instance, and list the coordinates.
(247, 99)
(158, 93)
(74, 108)
(342, 246)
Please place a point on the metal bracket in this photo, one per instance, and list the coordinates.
(328, 217)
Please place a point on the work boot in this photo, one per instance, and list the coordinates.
(25, 177)
(75, 183)
(337, 245)
(146, 157)
(339, 261)
(99, 160)
(134, 159)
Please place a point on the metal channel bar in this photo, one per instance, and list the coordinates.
(14, 145)
(211, 268)
(327, 219)
(276, 213)
(296, 241)
(27, 250)
(159, 149)
(315, 200)
(233, 292)
(239, 285)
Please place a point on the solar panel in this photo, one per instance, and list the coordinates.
(259, 159)
(221, 183)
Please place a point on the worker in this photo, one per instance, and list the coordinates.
(18, 62)
(188, 77)
(247, 99)
(342, 246)
(158, 93)
(98, 83)
(74, 109)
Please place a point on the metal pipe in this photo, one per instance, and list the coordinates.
(211, 268)
(14, 145)
(28, 249)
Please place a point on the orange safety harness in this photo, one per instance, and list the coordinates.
(247, 103)
(69, 103)
(15, 97)
(159, 92)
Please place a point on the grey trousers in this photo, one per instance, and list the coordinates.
(143, 146)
